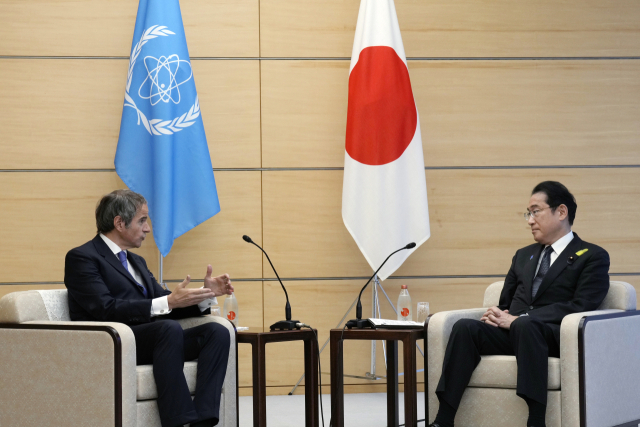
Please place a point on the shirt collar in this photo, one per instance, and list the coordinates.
(562, 243)
(114, 247)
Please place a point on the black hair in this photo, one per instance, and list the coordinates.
(557, 194)
(122, 203)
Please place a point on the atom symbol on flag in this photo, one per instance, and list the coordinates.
(164, 77)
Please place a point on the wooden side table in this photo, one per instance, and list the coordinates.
(391, 336)
(258, 341)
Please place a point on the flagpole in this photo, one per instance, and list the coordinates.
(161, 272)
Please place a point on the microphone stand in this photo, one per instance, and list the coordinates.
(358, 322)
(282, 325)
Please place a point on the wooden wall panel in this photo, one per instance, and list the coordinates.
(62, 205)
(475, 216)
(218, 241)
(44, 215)
(528, 112)
(304, 113)
(105, 28)
(461, 28)
(476, 113)
(230, 103)
(63, 114)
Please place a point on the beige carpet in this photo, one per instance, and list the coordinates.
(368, 409)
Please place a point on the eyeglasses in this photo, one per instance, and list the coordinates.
(535, 212)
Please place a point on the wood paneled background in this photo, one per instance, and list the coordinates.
(509, 94)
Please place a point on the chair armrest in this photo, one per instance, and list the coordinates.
(68, 371)
(600, 369)
(438, 332)
(229, 404)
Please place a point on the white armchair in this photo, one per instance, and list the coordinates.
(595, 382)
(62, 373)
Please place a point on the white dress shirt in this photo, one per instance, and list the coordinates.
(159, 306)
(557, 249)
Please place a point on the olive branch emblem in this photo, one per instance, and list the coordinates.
(157, 126)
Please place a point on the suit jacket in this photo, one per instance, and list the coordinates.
(101, 289)
(574, 283)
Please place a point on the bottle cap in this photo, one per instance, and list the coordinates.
(403, 287)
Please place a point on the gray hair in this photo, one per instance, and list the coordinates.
(122, 203)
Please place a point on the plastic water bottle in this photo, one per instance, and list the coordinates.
(404, 304)
(231, 309)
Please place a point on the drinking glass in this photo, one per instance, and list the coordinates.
(215, 310)
(423, 311)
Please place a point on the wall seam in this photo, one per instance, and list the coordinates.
(344, 58)
(315, 279)
(261, 161)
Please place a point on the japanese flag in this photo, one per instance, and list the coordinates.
(384, 196)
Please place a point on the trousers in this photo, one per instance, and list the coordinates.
(530, 340)
(165, 345)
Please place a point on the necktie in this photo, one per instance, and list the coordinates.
(544, 267)
(122, 256)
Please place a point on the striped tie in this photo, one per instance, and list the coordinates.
(122, 256)
(544, 267)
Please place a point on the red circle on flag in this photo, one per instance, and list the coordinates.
(381, 117)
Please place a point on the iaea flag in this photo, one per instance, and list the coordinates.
(162, 149)
(384, 195)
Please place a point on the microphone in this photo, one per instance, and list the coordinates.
(282, 325)
(358, 322)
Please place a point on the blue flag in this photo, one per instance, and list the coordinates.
(162, 148)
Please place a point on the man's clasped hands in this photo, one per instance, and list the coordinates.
(498, 318)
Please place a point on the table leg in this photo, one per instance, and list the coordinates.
(259, 384)
(410, 390)
(311, 382)
(393, 415)
(426, 380)
(337, 387)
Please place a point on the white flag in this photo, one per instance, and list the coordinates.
(384, 195)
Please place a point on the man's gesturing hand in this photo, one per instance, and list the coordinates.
(498, 318)
(220, 285)
(185, 297)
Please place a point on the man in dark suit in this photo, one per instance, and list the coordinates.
(559, 275)
(108, 283)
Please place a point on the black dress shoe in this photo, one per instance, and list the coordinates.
(434, 425)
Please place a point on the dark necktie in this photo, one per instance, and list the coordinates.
(544, 267)
(122, 256)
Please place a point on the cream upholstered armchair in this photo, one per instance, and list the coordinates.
(56, 372)
(594, 383)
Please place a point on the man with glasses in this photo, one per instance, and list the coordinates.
(559, 275)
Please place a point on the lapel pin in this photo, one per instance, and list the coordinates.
(531, 258)
(573, 258)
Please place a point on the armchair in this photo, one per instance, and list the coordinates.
(62, 373)
(595, 382)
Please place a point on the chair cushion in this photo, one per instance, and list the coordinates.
(147, 385)
(621, 296)
(501, 372)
